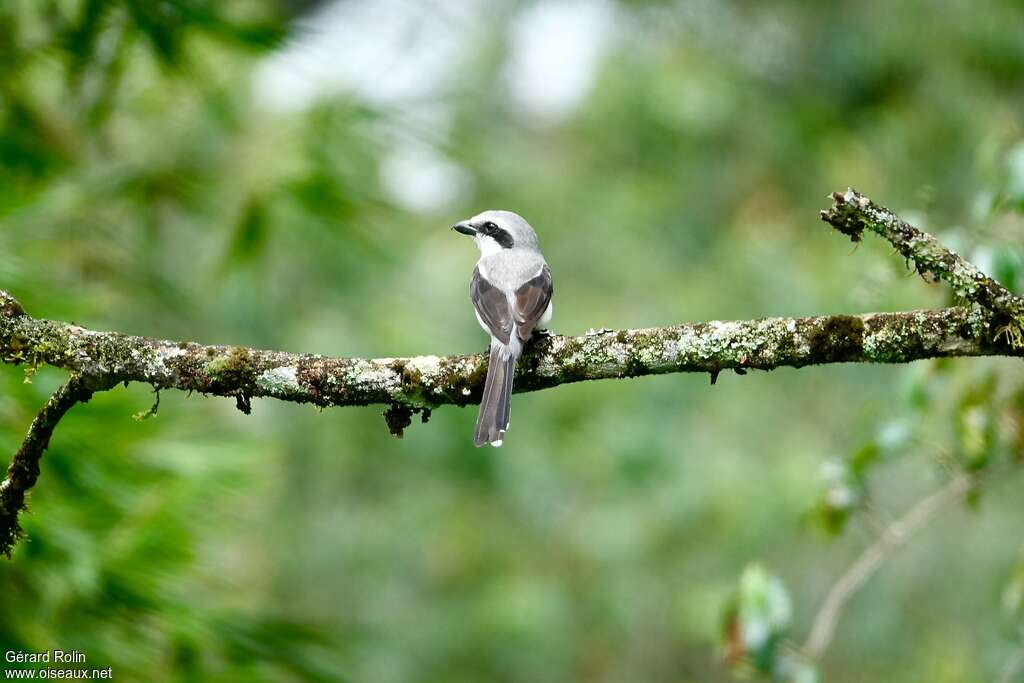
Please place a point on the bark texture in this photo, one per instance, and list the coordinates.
(430, 381)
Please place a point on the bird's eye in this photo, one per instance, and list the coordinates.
(490, 226)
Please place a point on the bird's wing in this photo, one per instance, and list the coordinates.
(492, 306)
(532, 299)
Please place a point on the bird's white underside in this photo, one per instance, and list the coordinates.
(546, 318)
(488, 246)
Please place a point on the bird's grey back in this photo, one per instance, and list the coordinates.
(511, 268)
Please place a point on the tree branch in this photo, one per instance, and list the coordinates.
(24, 468)
(98, 360)
(1013, 666)
(852, 213)
(892, 539)
(429, 381)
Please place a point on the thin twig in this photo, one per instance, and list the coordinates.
(1013, 666)
(892, 539)
(24, 468)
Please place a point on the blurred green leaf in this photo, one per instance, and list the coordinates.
(757, 620)
(250, 234)
(976, 425)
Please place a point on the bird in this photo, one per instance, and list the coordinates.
(511, 293)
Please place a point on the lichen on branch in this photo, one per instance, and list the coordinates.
(550, 360)
(852, 213)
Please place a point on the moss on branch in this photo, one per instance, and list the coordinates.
(852, 213)
(428, 381)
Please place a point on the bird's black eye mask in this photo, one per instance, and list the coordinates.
(499, 235)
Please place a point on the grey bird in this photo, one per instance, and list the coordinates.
(511, 292)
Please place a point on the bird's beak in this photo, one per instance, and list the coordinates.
(465, 228)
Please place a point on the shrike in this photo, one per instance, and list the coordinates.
(511, 292)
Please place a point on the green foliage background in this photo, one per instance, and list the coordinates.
(143, 188)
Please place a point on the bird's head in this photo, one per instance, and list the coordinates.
(497, 230)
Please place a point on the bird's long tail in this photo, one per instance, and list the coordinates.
(492, 421)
